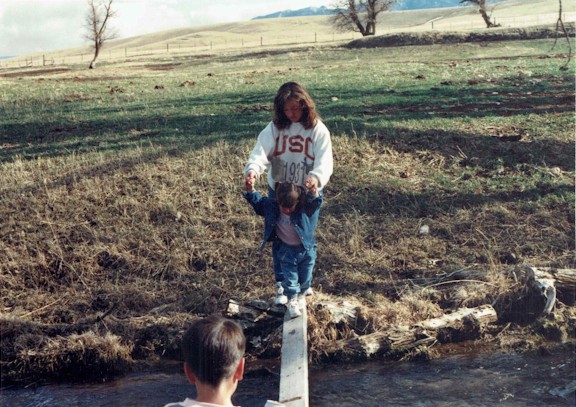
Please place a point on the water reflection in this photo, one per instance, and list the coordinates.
(136, 390)
(461, 380)
(482, 380)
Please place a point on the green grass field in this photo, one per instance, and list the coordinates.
(120, 187)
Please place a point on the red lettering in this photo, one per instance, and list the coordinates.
(309, 149)
(277, 150)
(296, 145)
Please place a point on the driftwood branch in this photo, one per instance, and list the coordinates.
(484, 313)
(465, 323)
(550, 282)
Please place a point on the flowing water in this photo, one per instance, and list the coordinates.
(527, 379)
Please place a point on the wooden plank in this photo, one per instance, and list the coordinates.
(294, 361)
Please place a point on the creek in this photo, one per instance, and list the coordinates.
(495, 379)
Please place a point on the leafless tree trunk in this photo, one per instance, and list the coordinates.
(561, 28)
(483, 12)
(99, 14)
(359, 16)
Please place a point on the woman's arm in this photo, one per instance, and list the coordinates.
(323, 160)
(259, 161)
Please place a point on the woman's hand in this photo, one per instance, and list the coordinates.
(249, 181)
(311, 184)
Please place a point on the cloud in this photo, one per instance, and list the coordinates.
(28, 26)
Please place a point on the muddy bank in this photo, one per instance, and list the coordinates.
(104, 346)
(436, 37)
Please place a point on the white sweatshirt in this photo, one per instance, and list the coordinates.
(290, 155)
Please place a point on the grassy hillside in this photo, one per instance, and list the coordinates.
(292, 32)
(307, 27)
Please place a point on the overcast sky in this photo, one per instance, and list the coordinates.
(28, 26)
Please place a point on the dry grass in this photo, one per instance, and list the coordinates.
(156, 240)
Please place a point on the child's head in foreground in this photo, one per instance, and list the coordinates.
(213, 348)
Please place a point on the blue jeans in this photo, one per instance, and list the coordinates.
(295, 266)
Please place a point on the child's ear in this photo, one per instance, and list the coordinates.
(239, 373)
(192, 379)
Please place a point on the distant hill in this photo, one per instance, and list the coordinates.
(308, 11)
(399, 5)
(425, 4)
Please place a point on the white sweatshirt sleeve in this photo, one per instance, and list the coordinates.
(323, 160)
(259, 159)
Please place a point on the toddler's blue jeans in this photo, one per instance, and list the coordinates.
(293, 266)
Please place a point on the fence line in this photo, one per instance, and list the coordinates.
(518, 21)
(198, 45)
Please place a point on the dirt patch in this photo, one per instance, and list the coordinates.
(92, 78)
(505, 105)
(162, 67)
(256, 108)
(37, 72)
(434, 37)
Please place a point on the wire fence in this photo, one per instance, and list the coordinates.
(198, 46)
(511, 22)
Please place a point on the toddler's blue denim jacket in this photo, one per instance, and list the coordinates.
(304, 219)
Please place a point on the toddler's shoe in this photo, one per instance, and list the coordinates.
(281, 299)
(302, 297)
(301, 301)
(293, 309)
(307, 291)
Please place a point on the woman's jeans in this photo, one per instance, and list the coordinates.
(293, 266)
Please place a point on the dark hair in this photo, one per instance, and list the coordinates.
(213, 347)
(297, 92)
(289, 194)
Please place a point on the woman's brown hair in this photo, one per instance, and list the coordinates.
(294, 91)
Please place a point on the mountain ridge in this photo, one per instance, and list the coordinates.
(398, 6)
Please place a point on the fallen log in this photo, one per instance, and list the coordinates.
(465, 323)
(484, 313)
(550, 283)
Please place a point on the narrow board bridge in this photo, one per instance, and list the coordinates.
(294, 363)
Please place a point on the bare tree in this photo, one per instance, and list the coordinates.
(99, 14)
(561, 28)
(359, 16)
(483, 11)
